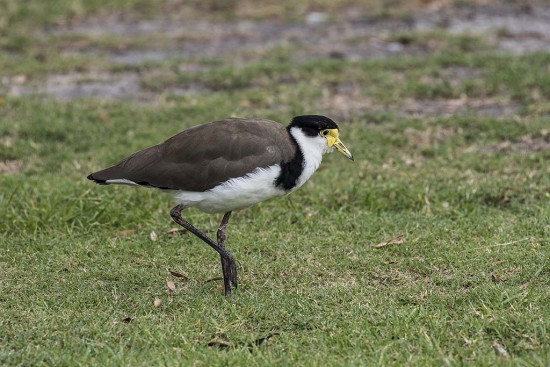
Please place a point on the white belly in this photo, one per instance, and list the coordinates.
(237, 193)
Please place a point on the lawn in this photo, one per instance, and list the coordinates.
(432, 248)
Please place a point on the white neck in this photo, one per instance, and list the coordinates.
(313, 148)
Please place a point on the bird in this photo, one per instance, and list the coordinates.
(227, 165)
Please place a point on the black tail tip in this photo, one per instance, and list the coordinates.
(91, 178)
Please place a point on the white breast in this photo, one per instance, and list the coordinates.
(313, 149)
(237, 193)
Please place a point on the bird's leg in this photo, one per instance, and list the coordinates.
(229, 269)
(226, 256)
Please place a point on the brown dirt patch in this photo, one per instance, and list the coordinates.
(12, 166)
(448, 107)
(526, 144)
(351, 34)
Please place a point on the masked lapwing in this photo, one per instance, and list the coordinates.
(227, 165)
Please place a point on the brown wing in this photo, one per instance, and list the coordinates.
(204, 156)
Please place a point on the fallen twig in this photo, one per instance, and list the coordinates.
(392, 241)
(504, 244)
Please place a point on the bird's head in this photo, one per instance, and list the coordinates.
(317, 125)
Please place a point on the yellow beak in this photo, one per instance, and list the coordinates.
(334, 141)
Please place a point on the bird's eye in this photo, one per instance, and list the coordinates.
(324, 132)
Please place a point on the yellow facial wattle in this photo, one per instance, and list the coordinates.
(333, 141)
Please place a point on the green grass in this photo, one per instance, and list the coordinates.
(469, 192)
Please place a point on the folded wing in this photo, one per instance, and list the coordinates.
(202, 157)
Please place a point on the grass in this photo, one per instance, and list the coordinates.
(80, 270)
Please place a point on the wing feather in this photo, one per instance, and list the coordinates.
(204, 156)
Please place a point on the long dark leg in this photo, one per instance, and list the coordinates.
(229, 272)
(226, 256)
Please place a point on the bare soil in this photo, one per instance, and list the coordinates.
(511, 28)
